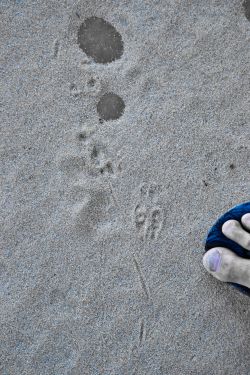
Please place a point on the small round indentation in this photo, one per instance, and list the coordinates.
(100, 40)
(82, 136)
(91, 82)
(110, 106)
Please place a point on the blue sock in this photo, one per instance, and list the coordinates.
(216, 238)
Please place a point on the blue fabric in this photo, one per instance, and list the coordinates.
(216, 238)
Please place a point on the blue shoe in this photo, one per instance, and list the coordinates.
(215, 237)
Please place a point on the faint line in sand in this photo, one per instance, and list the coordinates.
(141, 277)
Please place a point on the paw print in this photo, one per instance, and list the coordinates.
(148, 217)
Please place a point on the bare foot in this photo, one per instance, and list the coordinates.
(223, 263)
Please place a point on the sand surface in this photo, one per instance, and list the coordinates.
(112, 172)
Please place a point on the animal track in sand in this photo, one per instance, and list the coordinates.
(87, 182)
(93, 211)
(100, 161)
(155, 223)
(94, 163)
(90, 194)
(74, 91)
(148, 217)
(140, 214)
(89, 87)
(103, 43)
(100, 40)
(85, 134)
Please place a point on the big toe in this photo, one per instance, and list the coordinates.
(221, 263)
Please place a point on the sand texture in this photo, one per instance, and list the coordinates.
(125, 133)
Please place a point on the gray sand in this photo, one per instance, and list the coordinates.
(103, 222)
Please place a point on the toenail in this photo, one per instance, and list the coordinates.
(214, 261)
